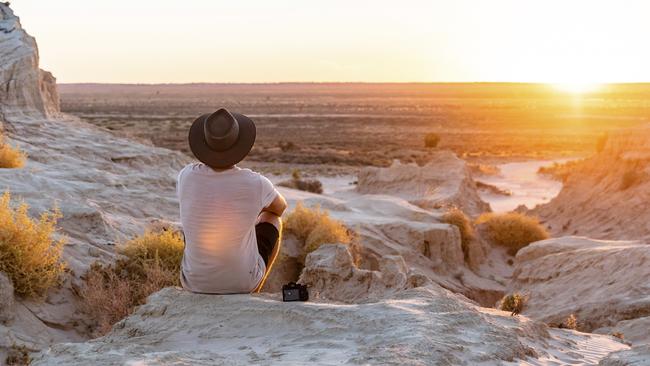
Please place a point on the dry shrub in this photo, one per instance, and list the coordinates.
(431, 140)
(618, 335)
(150, 263)
(513, 303)
(630, 179)
(314, 227)
(308, 185)
(571, 322)
(458, 218)
(18, 356)
(512, 230)
(601, 142)
(10, 157)
(29, 254)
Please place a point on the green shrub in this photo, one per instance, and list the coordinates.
(150, 262)
(29, 254)
(512, 230)
(458, 218)
(431, 140)
(513, 303)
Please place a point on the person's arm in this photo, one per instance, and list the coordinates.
(277, 207)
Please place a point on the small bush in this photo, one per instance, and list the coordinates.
(431, 140)
(618, 335)
(10, 157)
(150, 263)
(314, 227)
(601, 142)
(630, 179)
(458, 218)
(29, 254)
(18, 356)
(513, 303)
(307, 185)
(512, 230)
(571, 322)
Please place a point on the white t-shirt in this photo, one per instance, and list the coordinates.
(218, 213)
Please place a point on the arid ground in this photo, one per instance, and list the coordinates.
(334, 127)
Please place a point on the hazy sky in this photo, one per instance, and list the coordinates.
(154, 41)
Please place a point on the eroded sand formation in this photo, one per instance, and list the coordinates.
(606, 196)
(408, 303)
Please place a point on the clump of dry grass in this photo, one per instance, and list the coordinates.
(18, 356)
(601, 142)
(630, 179)
(512, 230)
(29, 253)
(513, 303)
(150, 262)
(458, 218)
(618, 335)
(314, 227)
(431, 140)
(308, 185)
(571, 322)
(10, 157)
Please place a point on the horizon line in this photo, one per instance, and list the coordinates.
(349, 82)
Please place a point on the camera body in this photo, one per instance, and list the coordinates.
(294, 292)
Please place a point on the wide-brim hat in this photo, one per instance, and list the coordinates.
(222, 139)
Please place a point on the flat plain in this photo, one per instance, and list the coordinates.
(332, 127)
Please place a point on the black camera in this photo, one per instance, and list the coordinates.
(294, 292)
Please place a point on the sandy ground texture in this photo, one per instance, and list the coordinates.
(601, 282)
(420, 326)
(606, 196)
(413, 284)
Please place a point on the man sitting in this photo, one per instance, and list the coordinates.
(230, 216)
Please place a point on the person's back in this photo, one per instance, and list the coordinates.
(229, 222)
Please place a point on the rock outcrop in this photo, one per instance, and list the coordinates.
(107, 188)
(444, 181)
(602, 283)
(331, 274)
(24, 88)
(606, 196)
(426, 325)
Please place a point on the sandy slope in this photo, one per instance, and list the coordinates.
(594, 201)
(601, 282)
(420, 326)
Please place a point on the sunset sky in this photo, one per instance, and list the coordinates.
(160, 41)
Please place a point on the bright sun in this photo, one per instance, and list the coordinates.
(577, 88)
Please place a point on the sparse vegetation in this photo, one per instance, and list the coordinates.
(10, 157)
(560, 171)
(618, 335)
(571, 322)
(308, 185)
(514, 303)
(458, 218)
(18, 356)
(630, 179)
(29, 253)
(512, 230)
(601, 142)
(314, 227)
(431, 140)
(149, 263)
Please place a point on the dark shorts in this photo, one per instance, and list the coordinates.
(267, 237)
